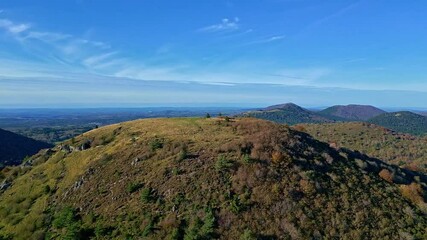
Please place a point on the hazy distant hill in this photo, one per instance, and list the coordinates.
(288, 113)
(14, 147)
(352, 112)
(210, 178)
(405, 122)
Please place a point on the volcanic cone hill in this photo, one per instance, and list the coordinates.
(288, 113)
(195, 178)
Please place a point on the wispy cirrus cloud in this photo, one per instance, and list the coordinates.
(73, 53)
(24, 31)
(98, 59)
(226, 24)
(59, 51)
(99, 44)
(269, 39)
(47, 36)
(275, 38)
(336, 14)
(300, 76)
(12, 27)
(56, 47)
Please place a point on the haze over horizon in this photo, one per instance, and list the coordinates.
(212, 53)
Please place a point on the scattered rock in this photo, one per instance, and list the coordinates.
(28, 163)
(49, 152)
(85, 145)
(78, 184)
(333, 145)
(362, 164)
(135, 161)
(91, 171)
(5, 185)
(67, 148)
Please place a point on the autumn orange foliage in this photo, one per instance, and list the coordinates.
(386, 175)
(413, 192)
(277, 157)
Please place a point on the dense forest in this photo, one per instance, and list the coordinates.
(407, 122)
(400, 149)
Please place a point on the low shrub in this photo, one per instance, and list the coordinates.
(183, 154)
(133, 187)
(246, 159)
(199, 229)
(223, 164)
(248, 235)
(146, 195)
(47, 189)
(148, 228)
(68, 225)
(156, 143)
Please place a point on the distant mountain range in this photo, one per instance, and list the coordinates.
(14, 147)
(289, 113)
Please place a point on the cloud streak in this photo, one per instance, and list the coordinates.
(57, 47)
(63, 53)
(226, 24)
(338, 13)
(24, 31)
(98, 59)
(270, 39)
(48, 37)
(76, 54)
(12, 27)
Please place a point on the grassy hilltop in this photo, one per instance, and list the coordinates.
(193, 178)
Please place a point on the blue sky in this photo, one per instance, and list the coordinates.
(234, 53)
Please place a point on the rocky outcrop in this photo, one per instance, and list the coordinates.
(69, 148)
(5, 185)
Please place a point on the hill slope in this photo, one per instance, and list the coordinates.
(351, 112)
(209, 178)
(14, 147)
(287, 113)
(400, 149)
(405, 122)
